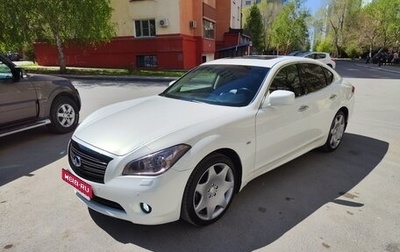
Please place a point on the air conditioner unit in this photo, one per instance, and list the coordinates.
(193, 24)
(164, 22)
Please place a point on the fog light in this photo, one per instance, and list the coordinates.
(145, 208)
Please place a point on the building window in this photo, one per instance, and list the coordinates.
(208, 29)
(146, 61)
(145, 28)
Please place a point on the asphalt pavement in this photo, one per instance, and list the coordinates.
(386, 68)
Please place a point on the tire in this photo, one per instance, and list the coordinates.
(336, 132)
(64, 115)
(209, 191)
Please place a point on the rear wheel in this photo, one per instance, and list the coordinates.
(209, 191)
(336, 132)
(64, 115)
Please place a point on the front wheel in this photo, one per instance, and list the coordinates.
(336, 132)
(209, 191)
(64, 115)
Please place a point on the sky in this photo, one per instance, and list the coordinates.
(313, 5)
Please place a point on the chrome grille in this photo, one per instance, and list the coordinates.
(87, 163)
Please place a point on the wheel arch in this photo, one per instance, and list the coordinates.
(68, 95)
(345, 110)
(45, 105)
(231, 154)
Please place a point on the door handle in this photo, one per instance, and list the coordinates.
(303, 108)
(333, 96)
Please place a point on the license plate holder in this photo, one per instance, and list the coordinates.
(80, 185)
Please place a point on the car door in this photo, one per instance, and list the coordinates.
(17, 98)
(282, 131)
(322, 98)
(321, 57)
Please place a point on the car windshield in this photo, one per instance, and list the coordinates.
(228, 85)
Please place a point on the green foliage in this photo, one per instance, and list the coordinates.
(358, 28)
(386, 14)
(324, 46)
(17, 23)
(255, 29)
(56, 21)
(289, 29)
(83, 21)
(353, 51)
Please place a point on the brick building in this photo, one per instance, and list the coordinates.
(161, 34)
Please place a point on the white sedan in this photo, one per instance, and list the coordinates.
(324, 57)
(186, 152)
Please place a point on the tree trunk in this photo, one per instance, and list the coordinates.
(61, 58)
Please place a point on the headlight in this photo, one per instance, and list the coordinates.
(156, 163)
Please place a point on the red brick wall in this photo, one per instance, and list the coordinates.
(172, 51)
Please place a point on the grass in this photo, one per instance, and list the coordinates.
(33, 68)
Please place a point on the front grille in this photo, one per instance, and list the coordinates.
(87, 163)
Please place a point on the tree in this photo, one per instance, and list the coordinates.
(269, 12)
(324, 46)
(16, 24)
(289, 29)
(58, 22)
(255, 29)
(342, 16)
(386, 16)
(376, 25)
(369, 28)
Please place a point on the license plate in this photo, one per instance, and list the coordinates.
(77, 183)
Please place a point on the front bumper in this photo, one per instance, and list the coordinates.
(122, 197)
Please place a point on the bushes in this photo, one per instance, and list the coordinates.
(353, 51)
(324, 46)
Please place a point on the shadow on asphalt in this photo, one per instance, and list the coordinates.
(267, 207)
(25, 152)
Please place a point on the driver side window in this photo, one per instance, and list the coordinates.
(287, 79)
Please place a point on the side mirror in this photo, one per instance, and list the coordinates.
(280, 97)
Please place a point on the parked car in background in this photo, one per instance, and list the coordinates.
(320, 56)
(29, 101)
(186, 152)
(13, 56)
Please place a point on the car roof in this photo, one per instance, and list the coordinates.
(258, 60)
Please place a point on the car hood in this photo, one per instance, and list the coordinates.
(123, 127)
